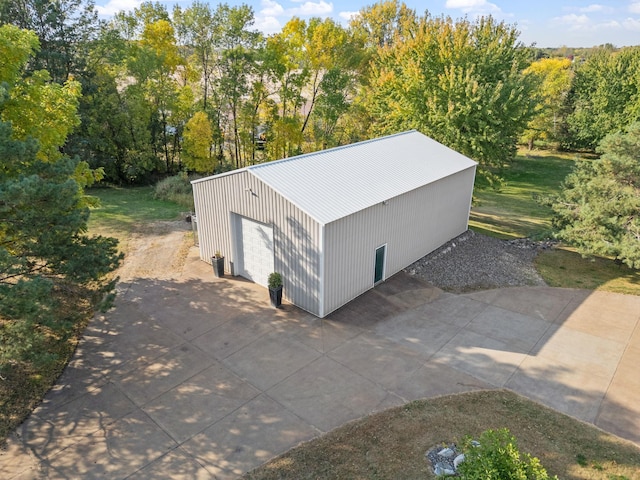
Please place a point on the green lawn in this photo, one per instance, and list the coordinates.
(513, 211)
(562, 267)
(122, 210)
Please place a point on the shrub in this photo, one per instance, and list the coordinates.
(176, 189)
(275, 280)
(496, 457)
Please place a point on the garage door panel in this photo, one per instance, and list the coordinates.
(256, 247)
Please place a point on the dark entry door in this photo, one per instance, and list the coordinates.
(378, 276)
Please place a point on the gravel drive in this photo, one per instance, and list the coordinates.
(473, 261)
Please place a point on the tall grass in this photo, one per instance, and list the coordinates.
(176, 189)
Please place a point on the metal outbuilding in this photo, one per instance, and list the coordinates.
(335, 223)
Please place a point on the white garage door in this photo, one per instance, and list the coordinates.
(256, 251)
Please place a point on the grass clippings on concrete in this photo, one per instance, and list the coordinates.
(392, 444)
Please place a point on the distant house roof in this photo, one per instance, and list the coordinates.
(334, 183)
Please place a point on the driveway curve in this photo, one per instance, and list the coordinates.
(190, 376)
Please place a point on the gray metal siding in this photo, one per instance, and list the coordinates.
(296, 235)
(411, 225)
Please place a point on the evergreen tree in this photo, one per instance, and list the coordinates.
(598, 209)
(43, 212)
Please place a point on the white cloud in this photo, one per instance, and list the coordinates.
(312, 8)
(266, 19)
(464, 3)
(114, 6)
(592, 8)
(573, 21)
(268, 25)
(634, 7)
(476, 6)
(271, 8)
(348, 16)
(631, 24)
(524, 25)
(272, 15)
(585, 24)
(611, 24)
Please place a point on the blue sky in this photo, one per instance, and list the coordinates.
(547, 23)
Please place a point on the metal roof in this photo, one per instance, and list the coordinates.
(331, 184)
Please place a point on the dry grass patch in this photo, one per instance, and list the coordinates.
(563, 267)
(25, 380)
(392, 444)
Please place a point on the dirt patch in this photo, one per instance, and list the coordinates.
(158, 250)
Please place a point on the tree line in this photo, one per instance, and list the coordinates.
(199, 89)
(152, 93)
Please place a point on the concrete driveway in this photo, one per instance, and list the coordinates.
(193, 377)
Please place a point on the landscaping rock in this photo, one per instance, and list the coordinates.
(473, 261)
(445, 461)
(458, 460)
(446, 452)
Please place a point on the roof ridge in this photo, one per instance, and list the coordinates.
(328, 150)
